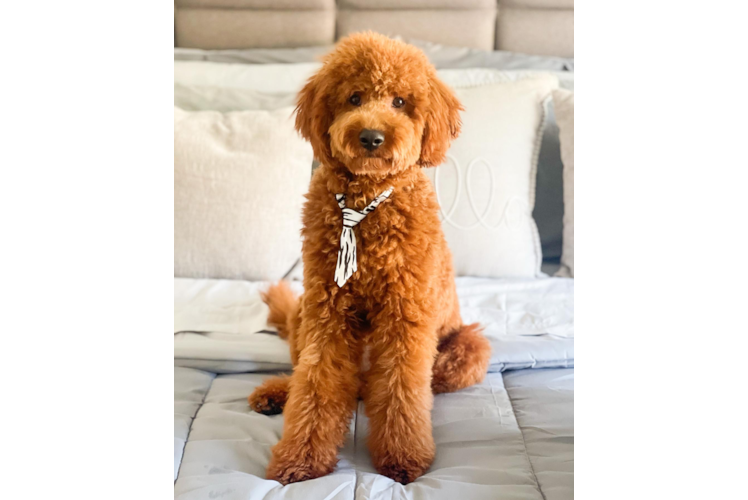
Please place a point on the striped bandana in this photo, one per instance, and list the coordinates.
(347, 264)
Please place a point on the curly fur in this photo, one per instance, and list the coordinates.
(401, 305)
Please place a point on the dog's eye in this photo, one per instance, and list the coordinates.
(355, 99)
(398, 102)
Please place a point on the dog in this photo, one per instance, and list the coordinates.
(378, 275)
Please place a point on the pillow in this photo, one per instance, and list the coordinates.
(198, 98)
(254, 56)
(486, 188)
(564, 104)
(271, 78)
(239, 185)
(472, 77)
(549, 205)
(549, 191)
(445, 56)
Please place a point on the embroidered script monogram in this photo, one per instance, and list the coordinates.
(347, 264)
(515, 209)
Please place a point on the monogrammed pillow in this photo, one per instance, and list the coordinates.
(486, 188)
(239, 185)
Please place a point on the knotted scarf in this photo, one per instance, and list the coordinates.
(347, 264)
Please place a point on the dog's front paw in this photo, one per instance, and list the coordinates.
(293, 464)
(293, 472)
(404, 471)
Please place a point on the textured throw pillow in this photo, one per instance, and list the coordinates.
(239, 185)
(563, 101)
(486, 188)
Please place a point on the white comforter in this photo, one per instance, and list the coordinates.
(510, 437)
(220, 324)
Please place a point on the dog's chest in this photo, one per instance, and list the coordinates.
(375, 235)
(392, 241)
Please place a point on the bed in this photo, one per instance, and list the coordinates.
(238, 65)
(510, 437)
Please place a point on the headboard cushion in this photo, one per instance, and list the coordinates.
(416, 4)
(232, 24)
(539, 4)
(458, 28)
(542, 27)
(259, 4)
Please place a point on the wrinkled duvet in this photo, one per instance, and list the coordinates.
(511, 437)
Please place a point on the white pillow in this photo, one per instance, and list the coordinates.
(239, 185)
(275, 78)
(204, 98)
(549, 202)
(563, 101)
(486, 188)
(296, 55)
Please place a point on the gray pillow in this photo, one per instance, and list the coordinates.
(549, 191)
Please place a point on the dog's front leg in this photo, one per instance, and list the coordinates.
(321, 400)
(398, 397)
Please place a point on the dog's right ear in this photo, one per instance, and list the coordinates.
(313, 118)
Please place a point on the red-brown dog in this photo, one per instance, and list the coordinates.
(375, 114)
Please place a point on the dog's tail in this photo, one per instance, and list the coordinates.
(284, 309)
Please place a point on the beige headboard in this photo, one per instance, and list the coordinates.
(543, 27)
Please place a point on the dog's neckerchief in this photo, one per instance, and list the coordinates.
(347, 264)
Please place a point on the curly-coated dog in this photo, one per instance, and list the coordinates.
(378, 275)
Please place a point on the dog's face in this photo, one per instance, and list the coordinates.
(377, 107)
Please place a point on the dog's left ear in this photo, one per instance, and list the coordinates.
(313, 117)
(442, 124)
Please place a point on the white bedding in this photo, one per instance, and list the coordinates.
(220, 325)
(510, 437)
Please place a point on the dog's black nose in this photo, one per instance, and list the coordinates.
(371, 139)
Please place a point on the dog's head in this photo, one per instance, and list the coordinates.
(377, 107)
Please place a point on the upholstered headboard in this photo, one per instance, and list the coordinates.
(543, 27)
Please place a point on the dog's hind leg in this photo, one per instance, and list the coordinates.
(462, 360)
(270, 397)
